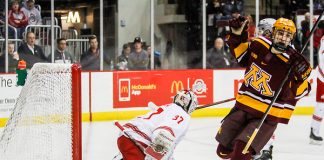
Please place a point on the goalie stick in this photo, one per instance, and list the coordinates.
(153, 106)
(216, 103)
(149, 151)
(256, 130)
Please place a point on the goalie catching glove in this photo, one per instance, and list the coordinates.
(238, 25)
(300, 66)
(163, 141)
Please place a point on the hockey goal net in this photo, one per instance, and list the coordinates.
(46, 120)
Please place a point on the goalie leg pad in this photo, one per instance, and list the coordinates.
(129, 150)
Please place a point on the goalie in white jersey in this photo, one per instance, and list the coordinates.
(162, 128)
(318, 114)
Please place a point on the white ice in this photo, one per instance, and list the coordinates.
(292, 141)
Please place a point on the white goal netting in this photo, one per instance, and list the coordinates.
(40, 126)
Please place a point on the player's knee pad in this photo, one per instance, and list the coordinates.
(237, 151)
(223, 152)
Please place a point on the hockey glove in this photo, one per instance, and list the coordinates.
(238, 25)
(162, 141)
(300, 65)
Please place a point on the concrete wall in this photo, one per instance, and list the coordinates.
(136, 15)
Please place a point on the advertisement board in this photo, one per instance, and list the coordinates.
(136, 89)
(9, 94)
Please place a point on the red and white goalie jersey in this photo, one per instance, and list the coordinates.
(320, 74)
(171, 118)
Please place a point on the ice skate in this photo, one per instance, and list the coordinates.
(265, 155)
(314, 139)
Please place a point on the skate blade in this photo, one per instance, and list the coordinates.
(314, 142)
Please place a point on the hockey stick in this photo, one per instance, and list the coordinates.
(216, 103)
(248, 144)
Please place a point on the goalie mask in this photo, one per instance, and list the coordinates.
(282, 35)
(265, 27)
(187, 100)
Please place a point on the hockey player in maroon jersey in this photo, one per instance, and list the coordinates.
(266, 62)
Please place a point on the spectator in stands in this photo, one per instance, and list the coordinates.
(32, 13)
(233, 7)
(318, 33)
(90, 60)
(61, 54)
(122, 61)
(13, 57)
(216, 8)
(318, 4)
(30, 52)
(217, 57)
(17, 18)
(24, 3)
(157, 61)
(305, 27)
(138, 59)
(251, 27)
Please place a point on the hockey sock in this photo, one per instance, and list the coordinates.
(317, 118)
(270, 142)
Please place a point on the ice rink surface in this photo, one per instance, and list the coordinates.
(292, 141)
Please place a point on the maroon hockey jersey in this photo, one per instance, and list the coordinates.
(263, 75)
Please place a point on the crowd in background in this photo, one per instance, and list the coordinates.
(220, 10)
(136, 55)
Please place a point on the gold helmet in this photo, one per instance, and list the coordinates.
(284, 24)
(283, 34)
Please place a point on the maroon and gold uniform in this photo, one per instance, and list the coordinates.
(266, 64)
(263, 75)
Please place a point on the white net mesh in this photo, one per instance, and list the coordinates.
(40, 127)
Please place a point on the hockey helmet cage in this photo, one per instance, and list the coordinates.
(187, 100)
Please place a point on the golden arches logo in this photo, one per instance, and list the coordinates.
(176, 86)
(124, 89)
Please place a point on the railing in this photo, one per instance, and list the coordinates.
(70, 34)
(86, 36)
(77, 47)
(10, 27)
(47, 21)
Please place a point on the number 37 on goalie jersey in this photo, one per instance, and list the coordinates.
(177, 118)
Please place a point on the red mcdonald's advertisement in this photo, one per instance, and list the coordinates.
(137, 88)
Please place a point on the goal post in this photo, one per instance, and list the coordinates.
(76, 113)
(46, 120)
